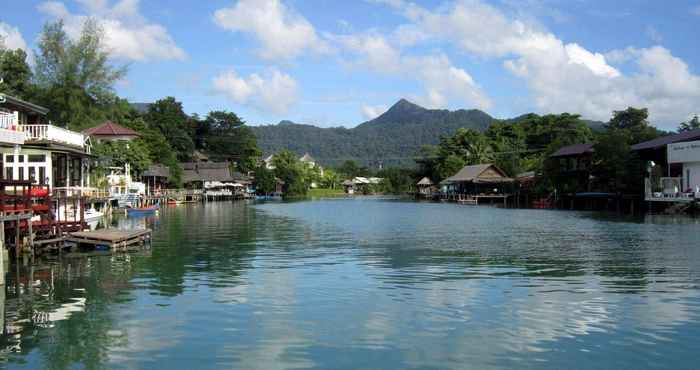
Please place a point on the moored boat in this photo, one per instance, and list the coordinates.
(141, 210)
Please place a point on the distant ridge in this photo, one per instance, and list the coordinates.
(394, 137)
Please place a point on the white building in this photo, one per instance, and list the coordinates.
(31, 149)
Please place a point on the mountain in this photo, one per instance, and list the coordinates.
(394, 137)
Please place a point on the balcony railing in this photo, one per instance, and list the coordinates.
(8, 134)
(668, 189)
(54, 134)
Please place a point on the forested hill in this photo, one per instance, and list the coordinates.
(392, 138)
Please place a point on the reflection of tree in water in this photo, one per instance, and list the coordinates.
(62, 310)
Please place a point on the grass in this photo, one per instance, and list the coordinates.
(320, 193)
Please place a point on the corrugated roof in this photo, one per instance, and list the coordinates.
(576, 149)
(157, 170)
(425, 181)
(110, 128)
(473, 174)
(668, 139)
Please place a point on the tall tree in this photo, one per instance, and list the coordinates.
(291, 170)
(223, 135)
(75, 76)
(635, 122)
(167, 116)
(15, 72)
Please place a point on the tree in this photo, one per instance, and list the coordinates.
(330, 179)
(15, 73)
(75, 77)
(396, 180)
(290, 170)
(351, 169)
(693, 124)
(223, 135)
(635, 122)
(265, 182)
(167, 116)
(612, 160)
(118, 153)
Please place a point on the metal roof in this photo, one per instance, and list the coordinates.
(668, 139)
(576, 149)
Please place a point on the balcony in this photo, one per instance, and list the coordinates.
(668, 189)
(8, 134)
(51, 133)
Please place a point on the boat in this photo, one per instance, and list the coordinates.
(141, 210)
(173, 202)
(93, 215)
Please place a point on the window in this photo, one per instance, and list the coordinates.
(20, 158)
(32, 174)
(42, 175)
(8, 173)
(9, 158)
(21, 173)
(35, 158)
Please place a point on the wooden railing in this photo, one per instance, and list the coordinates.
(53, 133)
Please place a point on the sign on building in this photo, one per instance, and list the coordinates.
(684, 152)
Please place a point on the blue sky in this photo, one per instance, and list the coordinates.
(334, 63)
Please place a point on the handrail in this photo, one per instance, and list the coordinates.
(53, 133)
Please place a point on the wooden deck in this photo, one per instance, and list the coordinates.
(113, 239)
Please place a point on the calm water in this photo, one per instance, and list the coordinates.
(371, 284)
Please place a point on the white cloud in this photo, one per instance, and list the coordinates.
(563, 76)
(282, 32)
(274, 92)
(11, 38)
(443, 82)
(128, 35)
(372, 111)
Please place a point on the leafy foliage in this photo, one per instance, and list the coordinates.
(224, 136)
(75, 77)
(291, 170)
(265, 182)
(15, 72)
(693, 124)
(167, 116)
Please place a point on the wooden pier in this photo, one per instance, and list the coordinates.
(113, 239)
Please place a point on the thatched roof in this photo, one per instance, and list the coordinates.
(157, 170)
(425, 182)
(348, 183)
(479, 173)
(206, 171)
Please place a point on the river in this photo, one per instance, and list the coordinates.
(367, 283)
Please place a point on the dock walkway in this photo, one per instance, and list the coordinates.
(113, 239)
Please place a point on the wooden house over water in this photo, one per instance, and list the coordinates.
(426, 188)
(475, 183)
(156, 178)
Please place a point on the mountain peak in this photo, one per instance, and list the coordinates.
(405, 106)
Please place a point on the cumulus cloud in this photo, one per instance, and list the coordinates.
(372, 111)
(563, 76)
(282, 32)
(11, 38)
(443, 82)
(128, 35)
(274, 92)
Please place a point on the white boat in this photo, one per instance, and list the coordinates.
(93, 215)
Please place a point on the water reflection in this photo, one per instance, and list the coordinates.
(366, 284)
